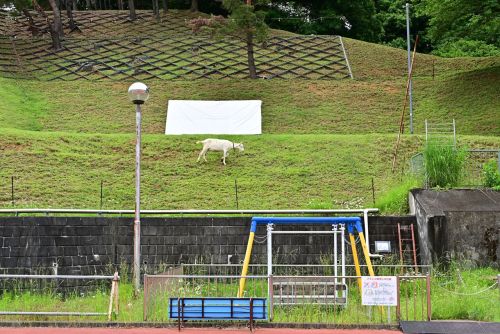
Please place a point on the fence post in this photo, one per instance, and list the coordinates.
(116, 279)
(398, 305)
(270, 293)
(145, 299)
(428, 285)
(12, 189)
(498, 161)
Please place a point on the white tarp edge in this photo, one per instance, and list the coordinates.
(214, 117)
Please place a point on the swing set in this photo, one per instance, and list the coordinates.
(339, 225)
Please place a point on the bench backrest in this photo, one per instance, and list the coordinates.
(218, 308)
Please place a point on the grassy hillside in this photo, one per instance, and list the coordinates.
(293, 107)
(275, 171)
(323, 141)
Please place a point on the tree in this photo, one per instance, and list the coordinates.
(69, 11)
(392, 15)
(131, 7)
(352, 18)
(54, 25)
(243, 23)
(194, 5)
(462, 23)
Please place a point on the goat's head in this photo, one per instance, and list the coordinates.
(239, 146)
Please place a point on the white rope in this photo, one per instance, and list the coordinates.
(468, 294)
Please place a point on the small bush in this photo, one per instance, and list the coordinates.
(491, 175)
(444, 165)
(466, 48)
(395, 201)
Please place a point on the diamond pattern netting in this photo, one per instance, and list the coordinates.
(170, 51)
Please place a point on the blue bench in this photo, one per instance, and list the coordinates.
(215, 308)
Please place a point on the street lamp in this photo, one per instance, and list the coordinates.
(138, 94)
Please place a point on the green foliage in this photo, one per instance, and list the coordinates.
(395, 201)
(491, 175)
(466, 48)
(354, 19)
(456, 20)
(244, 20)
(444, 164)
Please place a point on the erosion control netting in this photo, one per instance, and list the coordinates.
(162, 56)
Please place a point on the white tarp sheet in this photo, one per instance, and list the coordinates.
(214, 117)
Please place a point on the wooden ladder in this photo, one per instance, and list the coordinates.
(406, 238)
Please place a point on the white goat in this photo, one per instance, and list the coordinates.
(218, 145)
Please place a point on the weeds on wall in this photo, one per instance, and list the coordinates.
(395, 201)
(444, 164)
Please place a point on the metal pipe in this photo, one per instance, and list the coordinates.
(409, 64)
(335, 255)
(367, 234)
(304, 232)
(345, 57)
(54, 313)
(270, 249)
(137, 219)
(271, 297)
(342, 236)
(182, 212)
(57, 277)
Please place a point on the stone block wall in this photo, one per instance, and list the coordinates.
(95, 245)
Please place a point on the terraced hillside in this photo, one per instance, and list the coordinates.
(323, 141)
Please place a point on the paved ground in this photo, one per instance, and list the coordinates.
(51, 330)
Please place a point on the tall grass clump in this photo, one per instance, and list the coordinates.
(444, 164)
(491, 175)
(395, 201)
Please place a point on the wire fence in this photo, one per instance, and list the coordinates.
(292, 299)
(473, 173)
(69, 297)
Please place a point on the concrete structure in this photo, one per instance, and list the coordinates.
(458, 224)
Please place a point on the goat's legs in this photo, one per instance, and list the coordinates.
(224, 155)
(203, 154)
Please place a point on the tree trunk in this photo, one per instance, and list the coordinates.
(251, 60)
(56, 30)
(156, 9)
(69, 12)
(165, 7)
(194, 5)
(131, 8)
(120, 4)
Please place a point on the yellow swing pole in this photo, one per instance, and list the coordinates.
(246, 262)
(366, 253)
(355, 258)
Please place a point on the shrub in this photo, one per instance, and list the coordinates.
(466, 48)
(491, 175)
(444, 164)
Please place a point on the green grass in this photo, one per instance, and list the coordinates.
(20, 107)
(54, 169)
(289, 107)
(395, 200)
(444, 164)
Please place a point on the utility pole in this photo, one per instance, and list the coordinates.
(409, 64)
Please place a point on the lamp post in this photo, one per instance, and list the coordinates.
(138, 94)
